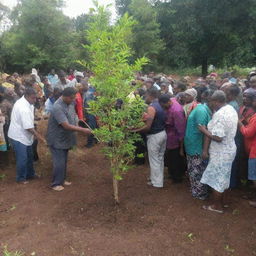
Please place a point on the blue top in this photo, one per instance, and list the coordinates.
(89, 96)
(158, 124)
(194, 139)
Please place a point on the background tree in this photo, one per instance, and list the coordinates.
(113, 74)
(40, 37)
(122, 6)
(146, 39)
(209, 31)
(4, 11)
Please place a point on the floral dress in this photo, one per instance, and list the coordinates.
(222, 154)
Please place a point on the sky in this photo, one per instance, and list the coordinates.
(73, 7)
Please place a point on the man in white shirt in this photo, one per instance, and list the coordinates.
(21, 133)
(63, 82)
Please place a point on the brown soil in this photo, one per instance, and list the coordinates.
(83, 220)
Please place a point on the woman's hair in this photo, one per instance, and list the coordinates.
(234, 90)
(219, 96)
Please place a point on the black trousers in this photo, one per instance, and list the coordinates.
(175, 164)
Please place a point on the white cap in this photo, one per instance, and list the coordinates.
(79, 74)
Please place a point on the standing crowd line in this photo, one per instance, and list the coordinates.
(203, 129)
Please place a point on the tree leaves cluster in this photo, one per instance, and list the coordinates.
(41, 36)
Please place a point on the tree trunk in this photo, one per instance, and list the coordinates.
(115, 187)
(204, 67)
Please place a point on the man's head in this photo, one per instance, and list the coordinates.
(15, 75)
(151, 95)
(232, 92)
(164, 88)
(45, 80)
(62, 77)
(2, 91)
(179, 87)
(157, 79)
(52, 72)
(248, 96)
(85, 84)
(218, 99)
(33, 78)
(164, 101)
(252, 82)
(68, 95)
(30, 95)
(71, 71)
(151, 74)
(206, 96)
(57, 92)
(149, 83)
(81, 87)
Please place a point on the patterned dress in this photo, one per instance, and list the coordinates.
(222, 154)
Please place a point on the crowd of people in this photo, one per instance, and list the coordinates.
(203, 129)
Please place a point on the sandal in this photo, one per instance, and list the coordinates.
(209, 208)
(67, 183)
(252, 203)
(58, 188)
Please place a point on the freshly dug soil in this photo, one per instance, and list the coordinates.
(83, 219)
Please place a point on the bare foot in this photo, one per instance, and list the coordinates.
(212, 208)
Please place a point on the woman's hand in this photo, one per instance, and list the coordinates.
(182, 152)
(205, 155)
(202, 128)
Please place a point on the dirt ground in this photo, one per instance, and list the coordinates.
(82, 220)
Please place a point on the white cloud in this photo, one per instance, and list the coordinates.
(77, 7)
(73, 8)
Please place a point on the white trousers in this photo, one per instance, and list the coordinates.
(156, 148)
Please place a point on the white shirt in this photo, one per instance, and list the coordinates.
(157, 86)
(63, 86)
(22, 118)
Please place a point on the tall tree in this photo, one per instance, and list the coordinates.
(210, 31)
(40, 37)
(113, 74)
(122, 6)
(146, 39)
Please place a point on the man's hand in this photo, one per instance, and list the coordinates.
(86, 131)
(42, 139)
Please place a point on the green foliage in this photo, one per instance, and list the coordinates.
(113, 75)
(145, 40)
(122, 6)
(6, 252)
(197, 32)
(146, 33)
(40, 37)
